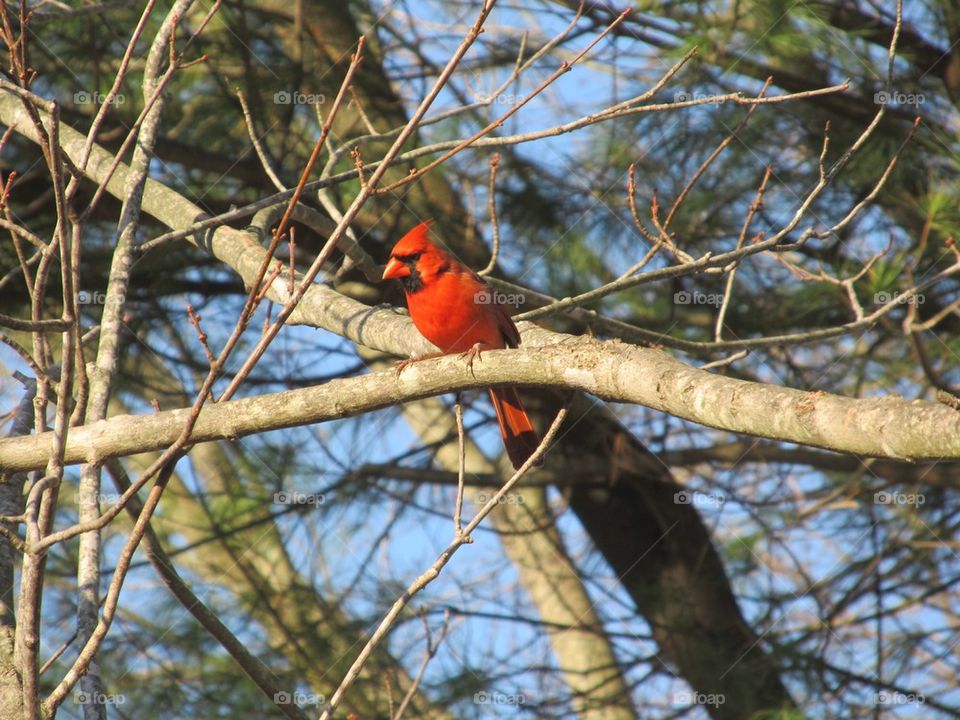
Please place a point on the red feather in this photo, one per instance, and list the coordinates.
(455, 309)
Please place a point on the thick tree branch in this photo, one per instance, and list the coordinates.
(889, 427)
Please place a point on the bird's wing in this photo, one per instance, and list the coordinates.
(511, 336)
(506, 326)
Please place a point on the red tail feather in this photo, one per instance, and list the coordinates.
(519, 437)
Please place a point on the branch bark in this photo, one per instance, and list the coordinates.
(11, 505)
(88, 496)
(888, 427)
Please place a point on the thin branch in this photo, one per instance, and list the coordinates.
(257, 145)
(492, 208)
(458, 506)
(728, 289)
(713, 156)
(434, 571)
(428, 655)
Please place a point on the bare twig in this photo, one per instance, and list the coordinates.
(458, 507)
(257, 145)
(428, 655)
(725, 361)
(492, 205)
(201, 335)
(434, 571)
(728, 290)
(656, 241)
(713, 156)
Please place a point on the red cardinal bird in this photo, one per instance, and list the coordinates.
(455, 309)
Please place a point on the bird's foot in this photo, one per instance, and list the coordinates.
(471, 355)
(404, 364)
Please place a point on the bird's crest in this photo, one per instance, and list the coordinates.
(415, 240)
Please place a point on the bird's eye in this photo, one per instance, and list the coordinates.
(412, 257)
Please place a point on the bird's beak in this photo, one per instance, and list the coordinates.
(395, 269)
